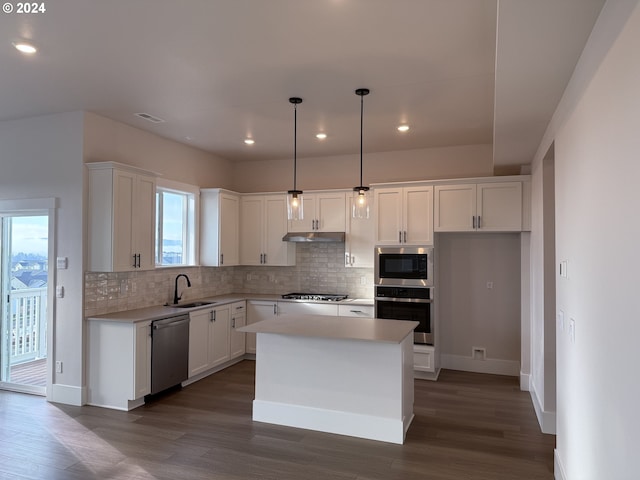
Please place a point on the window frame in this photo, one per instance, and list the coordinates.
(191, 215)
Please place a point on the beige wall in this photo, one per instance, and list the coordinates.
(344, 171)
(108, 140)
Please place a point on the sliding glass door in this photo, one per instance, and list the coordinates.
(24, 262)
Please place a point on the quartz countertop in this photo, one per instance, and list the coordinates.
(322, 326)
(163, 311)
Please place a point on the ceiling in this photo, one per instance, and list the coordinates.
(219, 71)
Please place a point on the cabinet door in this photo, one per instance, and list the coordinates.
(229, 229)
(307, 224)
(238, 320)
(418, 216)
(330, 212)
(359, 242)
(221, 326)
(455, 208)
(142, 356)
(251, 228)
(277, 252)
(388, 217)
(199, 341)
(499, 207)
(144, 226)
(257, 311)
(365, 311)
(123, 221)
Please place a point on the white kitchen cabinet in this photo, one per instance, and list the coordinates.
(323, 212)
(404, 215)
(424, 358)
(489, 207)
(359, 240)
(219, 227)
(348, 310)
(238, 320)
(263, 223)
(305, 308)
(209, 338)
(118, 363)
(258, 310)
(121, 218)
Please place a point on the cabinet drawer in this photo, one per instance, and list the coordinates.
(238, 307)
(355, 311)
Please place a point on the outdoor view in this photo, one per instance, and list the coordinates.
(172, 208)
(26, 352)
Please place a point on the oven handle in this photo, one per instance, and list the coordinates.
(404, 300)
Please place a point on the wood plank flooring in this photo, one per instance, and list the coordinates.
(467, 426)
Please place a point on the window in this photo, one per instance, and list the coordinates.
(175, 224)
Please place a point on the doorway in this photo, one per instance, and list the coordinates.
(24, 288)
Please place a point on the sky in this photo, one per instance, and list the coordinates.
(29, 235)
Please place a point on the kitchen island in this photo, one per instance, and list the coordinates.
(350, 376)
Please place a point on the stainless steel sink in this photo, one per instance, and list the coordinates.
(192, 304)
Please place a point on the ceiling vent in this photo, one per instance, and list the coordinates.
(150, 118)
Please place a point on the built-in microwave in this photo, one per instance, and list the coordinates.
(404, 266)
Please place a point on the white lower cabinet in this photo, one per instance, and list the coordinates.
(424, 358)
(237, 341)
(303, 308)
(209, 338)
(366, 311)
(119, 364)
(258, 310)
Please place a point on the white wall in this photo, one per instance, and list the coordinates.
(42, 157)
(472, 315)
(596, 135)
(344, 171)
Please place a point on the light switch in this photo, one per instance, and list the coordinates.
(61, 263)
(561, 320)
(60, 291)
(572, 330)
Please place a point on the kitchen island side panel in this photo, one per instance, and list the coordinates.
(349, 387)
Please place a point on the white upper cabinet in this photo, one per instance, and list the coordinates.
(263, 223)
(219, 227)
(488, 207)
(404, 215)
(323, 212)
(121, 218)
(359, 240)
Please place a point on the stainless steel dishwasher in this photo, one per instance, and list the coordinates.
(169, 352)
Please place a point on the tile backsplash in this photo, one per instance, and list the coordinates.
(319, 268)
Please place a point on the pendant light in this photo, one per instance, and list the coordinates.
(361, 193)
(294, 197)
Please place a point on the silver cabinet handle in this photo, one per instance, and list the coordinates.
(355, 311)
(265, 258)
(233, 322)
(221, 259)
(353, 259)
(261, 259)
(135, 265)
(213, 316)
(474, 222)
(275, 308)
(405, 236)
(478, 222)
(399, 236)
(239, 308)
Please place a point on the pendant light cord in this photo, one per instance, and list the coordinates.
(295, 143)
(361, 127)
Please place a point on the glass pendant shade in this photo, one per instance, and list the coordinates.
(295, 206)
(295, 210)
(361, 194)
(361, 202)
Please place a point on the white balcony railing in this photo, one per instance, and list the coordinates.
(28, 317)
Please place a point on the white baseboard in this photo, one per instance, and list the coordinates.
(525, 382)
(558, 469)
(67, 394)
(490, 365)
(332, 421)
(546, 419)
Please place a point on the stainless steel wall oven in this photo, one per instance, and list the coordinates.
(408, 303)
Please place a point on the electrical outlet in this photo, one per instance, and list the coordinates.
(560, 317)
(572, 330)
(478, 353)
(363, 280)
(58, 366)
(490, 285)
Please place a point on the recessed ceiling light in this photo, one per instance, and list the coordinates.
(403, 128)
(25, 48)
(249, 141)
(321, 136)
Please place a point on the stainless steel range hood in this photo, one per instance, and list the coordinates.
(314, 237)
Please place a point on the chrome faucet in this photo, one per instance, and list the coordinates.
(177, 298)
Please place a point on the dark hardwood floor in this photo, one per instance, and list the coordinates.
(467, 426)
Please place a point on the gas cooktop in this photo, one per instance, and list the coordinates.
(315, 296)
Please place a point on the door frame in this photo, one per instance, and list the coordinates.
(40, 206)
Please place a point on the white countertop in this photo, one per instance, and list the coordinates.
(162, 311)
(344, 328)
